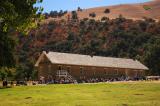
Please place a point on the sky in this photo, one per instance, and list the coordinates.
(69, 5)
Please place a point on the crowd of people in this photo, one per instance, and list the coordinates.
(90, 80)
(96, 80)
(67, 81)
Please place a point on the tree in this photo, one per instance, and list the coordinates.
(104, 19)
(15, 16)
(79, 9)
(6, 73)
(107, 11)
(92, 14)
(152, 58)
(46, 15)
(53, 14)
(74, 15)
(143, 25)
(20, 15)
(146, 7)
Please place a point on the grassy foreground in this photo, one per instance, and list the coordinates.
(104, 94)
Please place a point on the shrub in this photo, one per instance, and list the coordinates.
(107, 11)
(92, 14)
(79, 9)
(146, 7)
(104, 18)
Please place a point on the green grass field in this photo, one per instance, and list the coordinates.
(102, 94)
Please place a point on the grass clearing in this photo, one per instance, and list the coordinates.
(102, 94)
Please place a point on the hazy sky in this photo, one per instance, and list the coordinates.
(49, 5)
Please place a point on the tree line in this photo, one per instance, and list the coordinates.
(120, 37)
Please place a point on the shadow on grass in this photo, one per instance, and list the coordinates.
(138, 94)
(28, 97)
(5, 87)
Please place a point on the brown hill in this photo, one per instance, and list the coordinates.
(132, 11)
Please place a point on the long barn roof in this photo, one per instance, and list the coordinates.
(87, 60)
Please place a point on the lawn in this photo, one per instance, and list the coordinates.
(102, 94)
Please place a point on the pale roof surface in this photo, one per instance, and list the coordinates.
(86, 60)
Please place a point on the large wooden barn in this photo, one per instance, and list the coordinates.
(54, 65)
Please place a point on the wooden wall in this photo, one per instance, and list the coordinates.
(46, 69)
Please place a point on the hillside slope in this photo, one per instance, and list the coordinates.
(131, 11)
(120, 37)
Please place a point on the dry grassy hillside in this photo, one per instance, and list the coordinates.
(132, 11)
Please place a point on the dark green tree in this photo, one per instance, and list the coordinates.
(15, 16)
(74, 15)
(107, 11)
(93, 14)
(152, 58)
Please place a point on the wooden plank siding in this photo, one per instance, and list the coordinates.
(49, 69)
(84, 67)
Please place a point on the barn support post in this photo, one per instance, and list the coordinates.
(126, 73)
